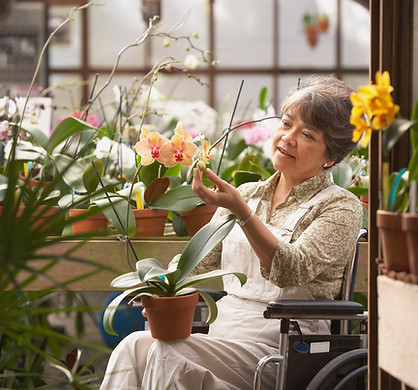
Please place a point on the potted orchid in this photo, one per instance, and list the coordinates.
(374, 110)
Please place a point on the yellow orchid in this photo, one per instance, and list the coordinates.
(149, 147)
(375, 101)
(178, 150)
(179, 130)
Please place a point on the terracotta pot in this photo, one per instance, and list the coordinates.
(311, 36)
(393, 241)
(94, 223)
(170, 318)
(364, 199)
(197, 218)
(150, 222)
(410, 228)
(39, 217)
(33, 183)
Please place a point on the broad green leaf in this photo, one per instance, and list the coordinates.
(395, 132)
(191, 280)
(130, 279)
(241, 177)
(91, 175)
(144, 265)
(71, 171)
(40, 137)
(206, 239)
(177, 200)
(248, 163)
(212, 307)
(117, 211)
(66, 129)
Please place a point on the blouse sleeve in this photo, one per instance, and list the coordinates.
(324, 239)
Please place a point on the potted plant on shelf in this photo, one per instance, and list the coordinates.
(376, 102)
(160, 289)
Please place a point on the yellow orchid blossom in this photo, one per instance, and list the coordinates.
(375, 101)
(149, 147)
(178, 150)
(179, 130)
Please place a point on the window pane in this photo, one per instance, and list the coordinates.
(298, 22)
(244, 33)
(195, 18)
(65, 49)
(113, 26)
(227, 88)
(355, 33)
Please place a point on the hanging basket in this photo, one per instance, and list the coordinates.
(170, 318)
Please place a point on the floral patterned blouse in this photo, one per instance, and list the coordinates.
(321, 244)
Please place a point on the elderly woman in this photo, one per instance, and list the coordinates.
(293, 239)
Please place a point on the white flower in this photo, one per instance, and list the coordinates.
(192, 62)
(106, 148)
(24, 151)
(7, 106)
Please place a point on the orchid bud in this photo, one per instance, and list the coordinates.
(167, 42)
(201, 166)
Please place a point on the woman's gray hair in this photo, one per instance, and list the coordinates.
(323, 104)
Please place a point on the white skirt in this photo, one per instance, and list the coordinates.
(224, 359)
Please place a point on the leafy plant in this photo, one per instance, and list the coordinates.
(152, 279)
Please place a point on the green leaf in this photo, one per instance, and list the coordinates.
(262, 98)
(143, 266)
(394, 132)
(71, 171)
(191, 280)
(206, 239)
(39, 136)
(248, 163)
(91, 175)
(110, 311)
(177, 199)
(413, 167)
(65, 129)
(117, 210)
(358, 190)
(241, 177)
(211, 304)
(130, 279)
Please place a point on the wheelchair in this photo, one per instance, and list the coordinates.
(315, 362)
(320, 362)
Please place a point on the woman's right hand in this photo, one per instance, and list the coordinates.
(225, 195)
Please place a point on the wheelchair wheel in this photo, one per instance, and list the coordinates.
(347, 371)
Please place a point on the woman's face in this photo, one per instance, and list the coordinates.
(297, 151)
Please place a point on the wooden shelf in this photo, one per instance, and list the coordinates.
(397, 329)
(102, 260)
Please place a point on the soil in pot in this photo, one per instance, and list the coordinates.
(197, 218)
(150, 222)
(410, 228)
(94, 223)
(393, 241)
(170, 318)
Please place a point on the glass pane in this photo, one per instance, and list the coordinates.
(113, 26)
(193, 19)
(354, 80)
(65, 49)
(66, 90)
(227, 88)
(244, 33)
(355, 34)
(304, 40)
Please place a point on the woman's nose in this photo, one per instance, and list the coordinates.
(289, 138)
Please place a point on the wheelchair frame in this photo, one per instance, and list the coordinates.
(338, 370)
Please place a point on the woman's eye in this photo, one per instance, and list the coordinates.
(307, 135)
(285, 123)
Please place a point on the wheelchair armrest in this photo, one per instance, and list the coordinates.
(298, 309)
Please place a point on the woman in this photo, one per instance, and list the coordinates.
(294, 236)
